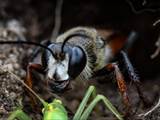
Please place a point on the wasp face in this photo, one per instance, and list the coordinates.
(58, 68)
(63, 66)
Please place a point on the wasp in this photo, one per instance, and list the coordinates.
(78, 54)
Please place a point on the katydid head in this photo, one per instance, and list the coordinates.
(55, 111)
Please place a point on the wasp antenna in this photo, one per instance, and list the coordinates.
(69, 38)
(29, 43)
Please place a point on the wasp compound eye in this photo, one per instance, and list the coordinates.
(77, 61)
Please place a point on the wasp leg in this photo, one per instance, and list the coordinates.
(29, 80)
(134, 77)
(121, 84)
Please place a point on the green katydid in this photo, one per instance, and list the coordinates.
(56, 111)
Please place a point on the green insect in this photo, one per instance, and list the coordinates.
(56, 111)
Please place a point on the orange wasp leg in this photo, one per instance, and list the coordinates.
(29, 80)
(121, 83)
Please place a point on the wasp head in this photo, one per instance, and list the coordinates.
(66, 63)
